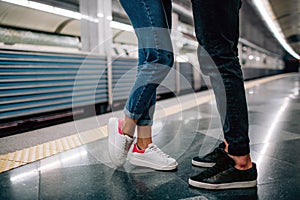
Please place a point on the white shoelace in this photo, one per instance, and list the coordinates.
(157, 150)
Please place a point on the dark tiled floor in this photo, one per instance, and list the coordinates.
(86, 172)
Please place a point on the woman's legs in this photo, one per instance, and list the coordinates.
(151, 20)
(152, 23)
(145, 132)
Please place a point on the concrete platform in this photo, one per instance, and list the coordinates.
(184, 127)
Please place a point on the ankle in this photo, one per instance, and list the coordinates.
(226, 146)
(143, 143)
(128, 126)
(242, 162)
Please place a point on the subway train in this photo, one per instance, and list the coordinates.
(45, 87)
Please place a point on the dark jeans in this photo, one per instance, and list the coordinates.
(151, 20)
(217, 30)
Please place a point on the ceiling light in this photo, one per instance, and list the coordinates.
(264, 8)
(45, 8)
(68, 13)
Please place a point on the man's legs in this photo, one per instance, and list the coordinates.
(216, 25)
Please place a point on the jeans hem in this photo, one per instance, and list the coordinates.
(239, 149)
(145, 123)
(132, 115)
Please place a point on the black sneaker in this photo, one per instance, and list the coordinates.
(223, 175)
(209, 159)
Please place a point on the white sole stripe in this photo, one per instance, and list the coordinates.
(233, 185)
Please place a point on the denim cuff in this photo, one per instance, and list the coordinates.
(239, 149)
(132, 115)
(145, 122)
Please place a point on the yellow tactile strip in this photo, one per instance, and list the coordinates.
(35, 153)
(31, 154)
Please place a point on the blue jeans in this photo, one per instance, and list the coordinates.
(151, 20)
(217, 30)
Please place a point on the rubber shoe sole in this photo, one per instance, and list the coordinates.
(202, 164)
(234, 185)
(144, 163)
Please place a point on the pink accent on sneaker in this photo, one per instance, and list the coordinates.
(120, 124)
(137, 150)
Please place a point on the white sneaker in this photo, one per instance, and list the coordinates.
(118, 143)
(152, 157)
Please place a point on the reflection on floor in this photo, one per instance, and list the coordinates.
(86, 172)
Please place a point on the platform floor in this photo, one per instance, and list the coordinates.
(85, 172)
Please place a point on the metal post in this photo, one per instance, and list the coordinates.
(176, 36)
(105, 13)
(96, 33)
